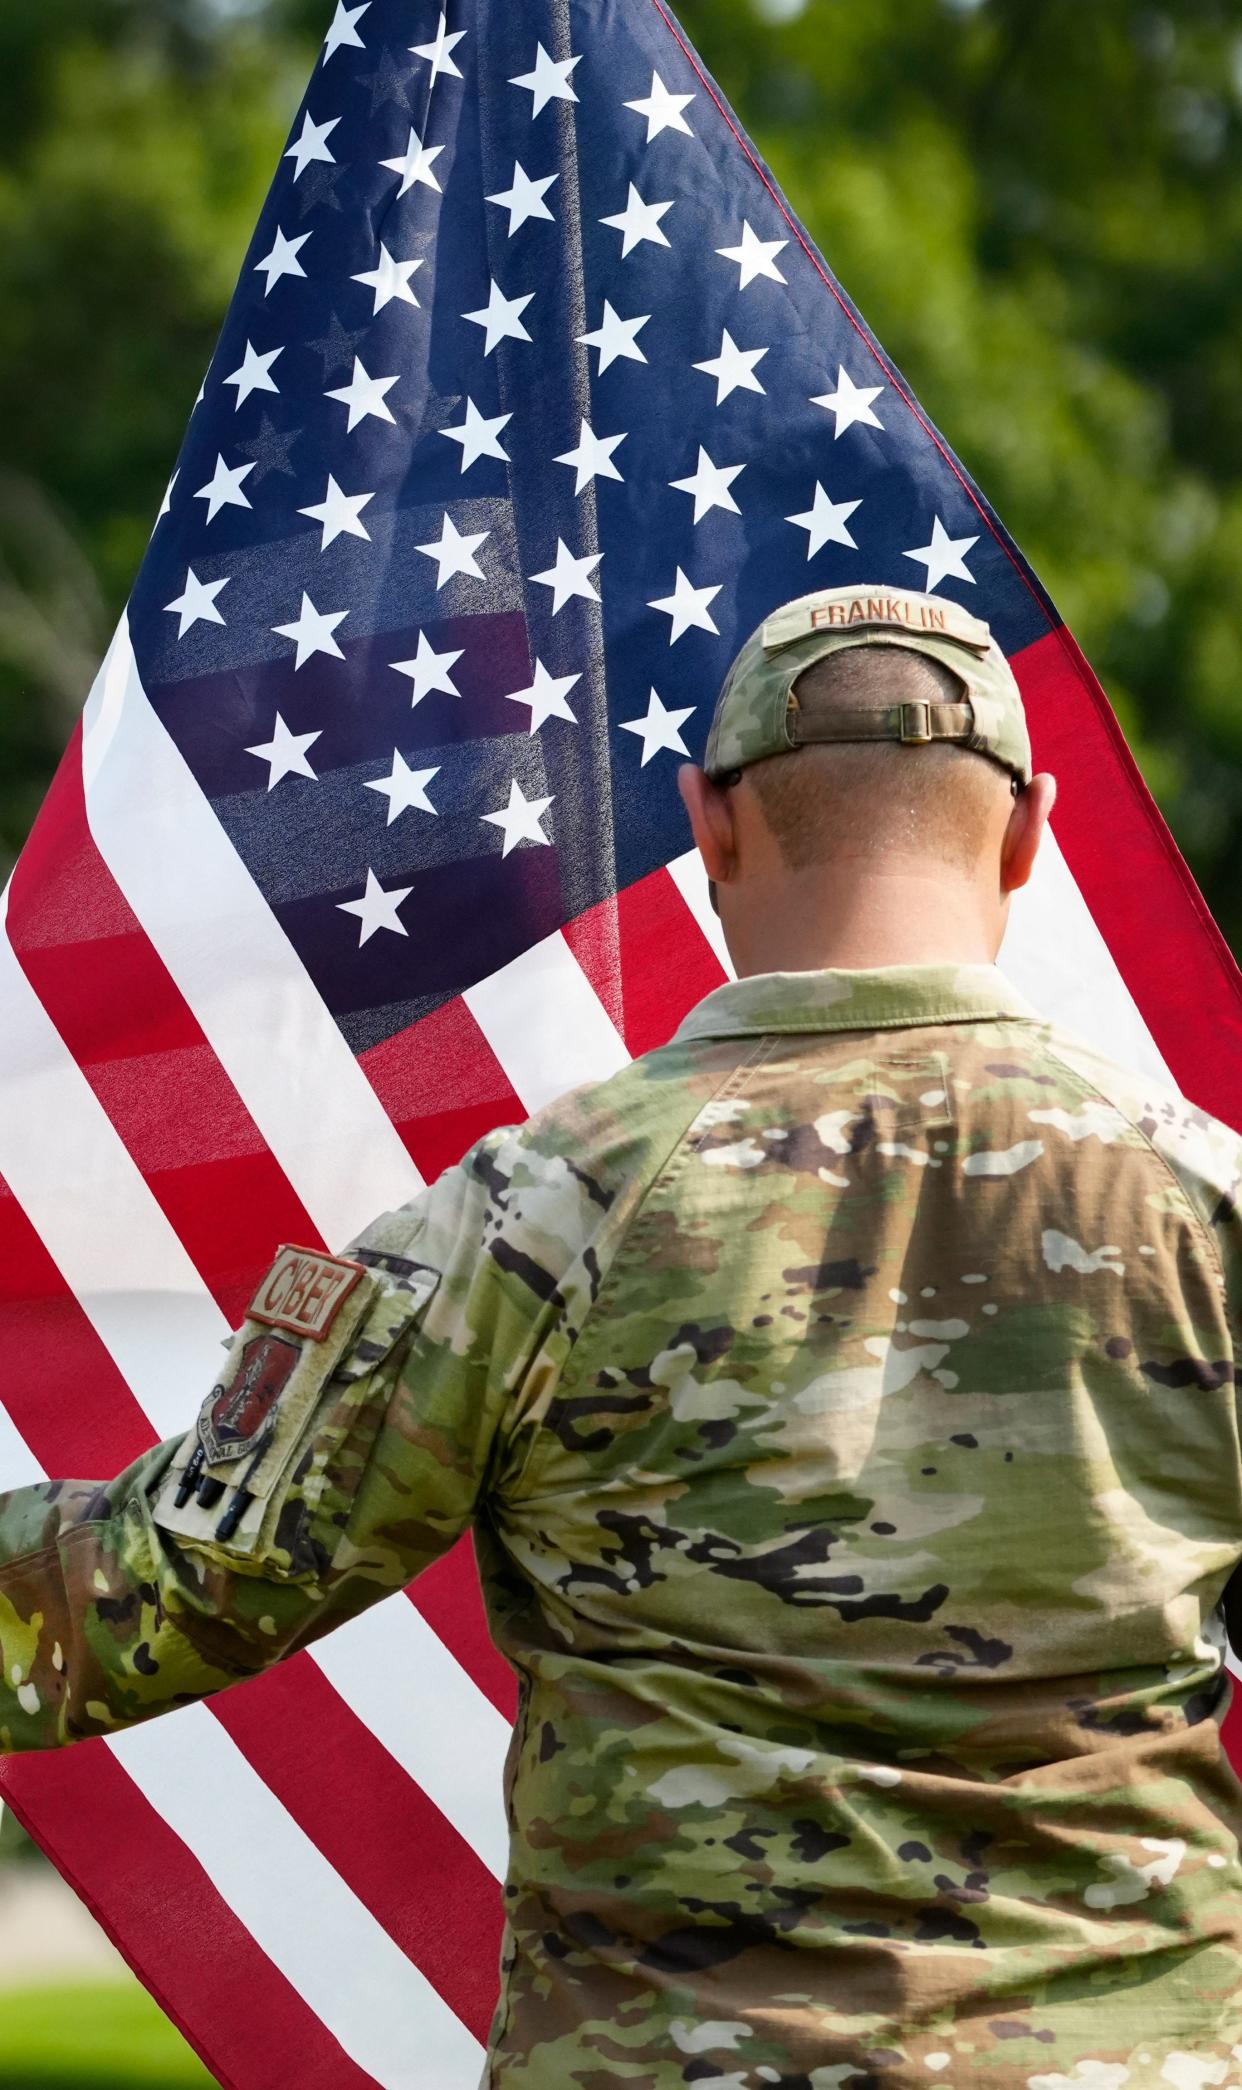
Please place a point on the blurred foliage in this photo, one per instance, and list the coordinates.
(1037, 205)
(99, 2035)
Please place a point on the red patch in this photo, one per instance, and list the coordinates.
(240, 1409)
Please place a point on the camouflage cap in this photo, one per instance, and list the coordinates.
(758, 713)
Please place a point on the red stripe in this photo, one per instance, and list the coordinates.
(130, 1030)
(250, 2026)
(374, 1823)
(1135, 882)
(449, 1597)
(442, 1086)
(647, 959)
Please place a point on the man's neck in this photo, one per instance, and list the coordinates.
(892, 920)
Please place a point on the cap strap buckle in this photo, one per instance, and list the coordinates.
(916, 723)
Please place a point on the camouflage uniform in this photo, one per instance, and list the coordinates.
(844, 1400)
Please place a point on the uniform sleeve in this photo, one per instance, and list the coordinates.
(362, 1410)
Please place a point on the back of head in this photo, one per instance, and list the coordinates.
(944, 803)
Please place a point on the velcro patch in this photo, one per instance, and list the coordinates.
(304, 1291)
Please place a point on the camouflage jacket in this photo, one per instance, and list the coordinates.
(844, 1400)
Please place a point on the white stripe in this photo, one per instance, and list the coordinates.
(423, 1717)
(19, 1467)
(384, 2012)
(690, 878)
(240, 975)
(80, 1190)
(546, 1024)
(1054, 954)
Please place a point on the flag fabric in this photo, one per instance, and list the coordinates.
(533, 399)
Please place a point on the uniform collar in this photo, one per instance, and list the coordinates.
(884, 997)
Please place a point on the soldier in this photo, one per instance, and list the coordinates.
(843, 1398)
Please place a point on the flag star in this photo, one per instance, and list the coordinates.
(710, 485)
(197, 602)
(312, 632)
(549, 81)
(755, 257)
(390, 279)
(377, 909)
(344, 29)
(428, 670)
(440, 52)
(593, 457)
(525, 199)
(340, 513)
(365, 395)
(312, 145)
(944, 557)
(616, 337)
(639, 221)
(166, 504)
(404, 789)
(283, 259)
(850, 402)
(569, 576)
(455, 553)
(254, 374)
(414, 164)
(825, 522)
(478, 436)
(660, 729)
(520, 819)
(286, 752)
(734, 368)
(663, 110)
(687, 605)
(546, 697)
(224, 488)
(501, 317)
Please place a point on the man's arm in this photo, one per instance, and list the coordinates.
(359, 1416)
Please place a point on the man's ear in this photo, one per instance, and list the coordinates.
(711, 821)
(1026, 827)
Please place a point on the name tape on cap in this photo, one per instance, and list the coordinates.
(815, 617)
(303, 1292)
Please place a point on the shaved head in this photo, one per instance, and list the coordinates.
(944, 802)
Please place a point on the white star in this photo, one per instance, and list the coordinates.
(197, 602)
(825, 522)
(224, 488)
(286, 753)
(312, 633)
(340, 513)
(501, 317)
(639, 221)
(663, 110)
(546, 697)
(391, 279)
(478, 436)
(377, 909)
(414, 164)
(167, 501)
(850, 402)
(593, 457)
(755, 257)
(659, 729)
(255, 374)
(569, 576)
(687, 605)
(520, 819)
(428, 670)
(616, 337)
(312, 145)
(404, 788)
(364, 395)
(441, 51)
(525, 199)
(710, 486)
(455, 553)
(734, 368)
(343, 30)
(549, 81)
(283, 259)
(944, 557)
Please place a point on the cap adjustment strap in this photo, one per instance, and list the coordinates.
(914, 723)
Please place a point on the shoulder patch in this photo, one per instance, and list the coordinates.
(304, 1291)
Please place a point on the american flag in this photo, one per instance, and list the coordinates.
(534, 397)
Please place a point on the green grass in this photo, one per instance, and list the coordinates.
(92, 2036)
